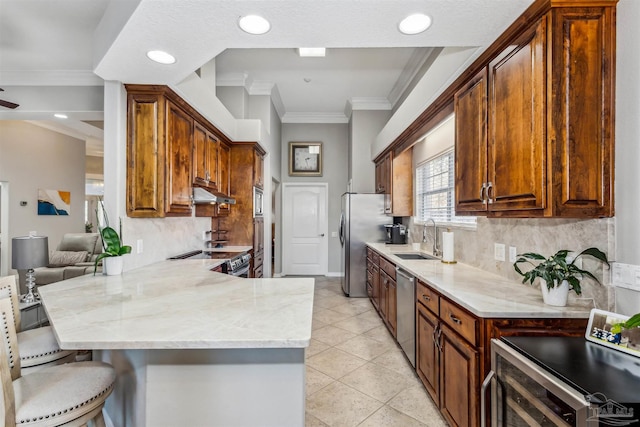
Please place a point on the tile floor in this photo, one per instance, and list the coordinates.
(356, 373)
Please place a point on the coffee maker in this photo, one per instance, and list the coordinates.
(396, 234)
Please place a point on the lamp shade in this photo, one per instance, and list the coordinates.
(29, 252)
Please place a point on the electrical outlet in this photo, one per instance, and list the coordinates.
(204, 235)
(334, 234)
(139, 246)
(499, 251)
(512, 253)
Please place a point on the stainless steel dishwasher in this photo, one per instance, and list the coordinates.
(406, 314)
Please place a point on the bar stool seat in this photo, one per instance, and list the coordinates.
(67, 395)
(38, 347)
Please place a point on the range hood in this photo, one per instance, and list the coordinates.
(202, 196)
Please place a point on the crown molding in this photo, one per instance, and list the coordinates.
(314, 118)
(364, 103)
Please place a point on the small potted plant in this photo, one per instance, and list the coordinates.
(113, 249)
(557, 274)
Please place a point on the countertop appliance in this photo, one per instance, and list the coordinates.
(396, 234)
(406, 314)
(236, 264)
(362, 220)
(564, 381)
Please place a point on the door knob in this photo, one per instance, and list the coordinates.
(322, 235)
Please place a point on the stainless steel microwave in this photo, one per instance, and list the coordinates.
(258, 202)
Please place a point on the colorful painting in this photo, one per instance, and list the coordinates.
(54, 202)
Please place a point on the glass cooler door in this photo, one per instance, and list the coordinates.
(524, 394)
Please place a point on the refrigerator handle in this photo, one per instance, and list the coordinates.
(341, 228)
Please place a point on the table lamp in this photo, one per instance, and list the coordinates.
(27, 253)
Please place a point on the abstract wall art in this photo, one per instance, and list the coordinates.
(54, 202)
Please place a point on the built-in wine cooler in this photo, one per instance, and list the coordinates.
(524, 394)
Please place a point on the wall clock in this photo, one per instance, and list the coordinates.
(305, 158)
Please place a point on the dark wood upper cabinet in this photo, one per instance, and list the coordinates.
(470, 105)
(517, 142)
(544, 105)
(178, 175)
(205, 158)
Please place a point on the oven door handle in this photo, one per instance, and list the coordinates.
(241, 271)
(483, 401)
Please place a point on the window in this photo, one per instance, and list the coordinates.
(435, 191)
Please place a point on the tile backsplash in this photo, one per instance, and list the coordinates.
(544, 236)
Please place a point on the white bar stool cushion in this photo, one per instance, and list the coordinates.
(58, 394)
(39, 346)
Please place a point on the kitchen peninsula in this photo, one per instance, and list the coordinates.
(190, 346)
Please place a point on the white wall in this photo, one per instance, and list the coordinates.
(32, 157)
(627, 190)
(334, 139)
(364, 127)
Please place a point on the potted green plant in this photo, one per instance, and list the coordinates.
(557, 274)
(113, 249)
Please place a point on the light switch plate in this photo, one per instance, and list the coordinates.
(139, 246)
(513, 252)
(499, 251)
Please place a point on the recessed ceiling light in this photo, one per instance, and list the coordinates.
(161, 57)
(312, 51)
(414, 24)
(60, 116)
(254, 24)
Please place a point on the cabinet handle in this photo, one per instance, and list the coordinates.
(438, 338)
(454, 319)
(490, 198)
(426, 298)
(482, 190)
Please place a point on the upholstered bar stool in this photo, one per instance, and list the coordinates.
(71, 394)
(38, 347)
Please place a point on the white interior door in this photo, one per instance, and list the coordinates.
(304, 229)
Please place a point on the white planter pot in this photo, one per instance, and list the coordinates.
(112, 265)
(555, 296)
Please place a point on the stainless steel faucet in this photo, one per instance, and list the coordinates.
(436, 249)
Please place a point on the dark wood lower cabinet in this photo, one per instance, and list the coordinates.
(459, 382)
(428, 356)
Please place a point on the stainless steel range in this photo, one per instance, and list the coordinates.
(236, 264)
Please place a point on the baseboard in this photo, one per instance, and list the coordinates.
(334, 274)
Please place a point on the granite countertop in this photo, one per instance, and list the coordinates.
(482, 293)
(179, 304)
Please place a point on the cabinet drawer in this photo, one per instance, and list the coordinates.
(258, 259)
(373, 256)
(428, 297)
(459, 320)
(388, 268)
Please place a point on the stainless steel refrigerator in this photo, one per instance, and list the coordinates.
(362, 220)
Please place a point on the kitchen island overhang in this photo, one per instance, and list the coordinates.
(191, 347)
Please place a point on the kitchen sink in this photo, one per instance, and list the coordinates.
(414, 256)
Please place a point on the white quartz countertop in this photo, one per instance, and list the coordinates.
(179, 304)
(229, 249)
(482, 293)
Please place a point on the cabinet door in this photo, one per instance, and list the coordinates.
(581, 133)
(517, 130)
(224, 166)
(459, 383)
(384, 292)
(427, 356)
(258, 235)
(145, 156)
(392, 307)
(380, 177)
(178, 177)
(470, 105)
(375, 284)
(212, 161)
(258, 166)
(401, 182)
(200, 154)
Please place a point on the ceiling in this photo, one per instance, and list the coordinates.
(55, 55)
